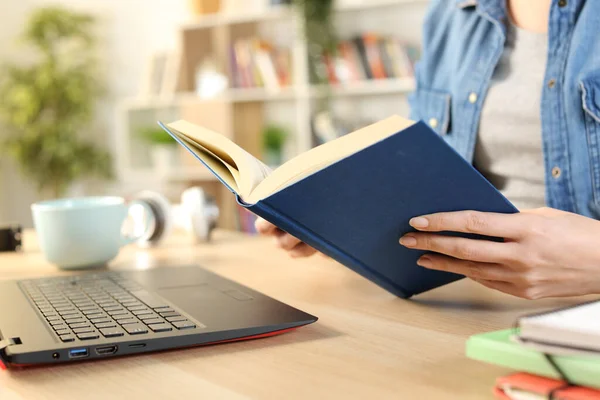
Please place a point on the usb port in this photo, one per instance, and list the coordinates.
(106, 350)
(78, 353)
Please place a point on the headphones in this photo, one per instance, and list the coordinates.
(197, 213)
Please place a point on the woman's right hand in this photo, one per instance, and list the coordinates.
(289, 243)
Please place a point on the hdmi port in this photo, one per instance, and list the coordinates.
(106, 350)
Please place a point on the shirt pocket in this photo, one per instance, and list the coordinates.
(590, 97)
(433, 108)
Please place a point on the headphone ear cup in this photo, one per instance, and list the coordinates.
(202, 212)
(161, 210)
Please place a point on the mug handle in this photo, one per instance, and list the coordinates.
(149, 222)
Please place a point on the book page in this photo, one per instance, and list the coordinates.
(326, 154)
(239, 167)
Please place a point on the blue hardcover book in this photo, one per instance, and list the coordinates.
(352, 198)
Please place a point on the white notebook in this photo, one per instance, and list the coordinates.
(576, 328)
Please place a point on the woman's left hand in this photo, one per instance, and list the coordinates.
(545, 253)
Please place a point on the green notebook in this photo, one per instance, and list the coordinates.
(498, 348)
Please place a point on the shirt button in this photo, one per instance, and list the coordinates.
(473, 98)
(551, 83)
(556, 172)
(433, 122)
(562, 3)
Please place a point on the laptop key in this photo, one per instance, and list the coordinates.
(127, 321)
(88, 336)
(99, 320)
(136, 329)
(169, 314)
(83, 330)
(147, 316)
(105, 325)
(78, 320)
(153, 321)
(176, 319)
(79, 325)
(64, 331)
(137, 307)
(56, 323)
(67, 338)
(118, 312)
(184, 324)
(112, 332)
(142, 312)
(163, 309)
(160, 327)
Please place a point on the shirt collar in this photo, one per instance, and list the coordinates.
(495, 9)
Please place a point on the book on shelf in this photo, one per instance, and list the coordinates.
(370, 56)
(352, 198)
(255, 63)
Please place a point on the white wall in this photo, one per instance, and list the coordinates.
(129, 30)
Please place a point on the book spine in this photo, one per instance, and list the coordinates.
(331, 74)
(386, 58)
(271, 214)
(345, 51)
(373, 56)
(362, 56)
(264, 62)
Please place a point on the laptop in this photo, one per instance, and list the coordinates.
(108, 314)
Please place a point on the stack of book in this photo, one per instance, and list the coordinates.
(256, 63)
(370, 56)
(557, 355)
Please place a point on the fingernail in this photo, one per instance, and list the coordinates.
(419, 222)
(424, 262)
(408, 241)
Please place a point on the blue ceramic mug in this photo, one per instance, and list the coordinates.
(81, 232)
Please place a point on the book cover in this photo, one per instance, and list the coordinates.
(356, 210)
(499, 349)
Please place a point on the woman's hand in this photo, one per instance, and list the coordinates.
(546, 252)
(293, 246)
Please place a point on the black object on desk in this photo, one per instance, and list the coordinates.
(10, 238)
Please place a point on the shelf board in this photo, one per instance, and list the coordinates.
(367, 88)
(219, 19)
(283, 12)
(238, 95)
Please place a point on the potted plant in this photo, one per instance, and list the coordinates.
(163, 150)
(274, 138)
(47, 106)
(321, 38)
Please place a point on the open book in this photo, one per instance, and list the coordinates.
(352, 198)
(251, 179)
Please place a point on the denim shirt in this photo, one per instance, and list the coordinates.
(462, 44)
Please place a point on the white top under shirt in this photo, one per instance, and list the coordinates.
(509, 144)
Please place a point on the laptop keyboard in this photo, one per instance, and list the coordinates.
(90, 307)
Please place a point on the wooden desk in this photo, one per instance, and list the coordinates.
(367, 344)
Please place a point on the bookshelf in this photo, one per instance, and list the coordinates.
(242, 113)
